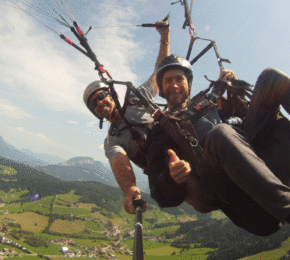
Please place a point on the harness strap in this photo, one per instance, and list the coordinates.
(115, 131)
(180, 127)
(139, 141)
(195, 112)
(141, 145)
(126, 101)
(185, 140)
(192, 138)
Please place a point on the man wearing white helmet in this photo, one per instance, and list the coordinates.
(127, 135)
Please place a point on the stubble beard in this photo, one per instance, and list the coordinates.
(115, 117)
(176, 101)
(110, 112)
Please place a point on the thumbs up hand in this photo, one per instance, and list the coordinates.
(179, 169)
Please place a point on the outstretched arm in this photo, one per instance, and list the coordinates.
(125, 177)
(164, 51)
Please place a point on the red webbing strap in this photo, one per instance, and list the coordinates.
(68, 41)
(101, 69)
(80, 32)
(74, 45)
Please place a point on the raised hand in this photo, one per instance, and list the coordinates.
(227, 75)
(162, 31)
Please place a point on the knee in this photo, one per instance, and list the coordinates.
(219, 131)
(269, 74)
(270, 71)
(215, 139)
(222, 137)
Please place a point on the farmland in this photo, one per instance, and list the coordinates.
(44, 217)
(62, 221)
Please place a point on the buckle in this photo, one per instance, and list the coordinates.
(213, 100)
(194, 142)
(114, 131)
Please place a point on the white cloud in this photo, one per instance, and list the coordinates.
(37, 64)
(40, 143)
(10, 110)
(72, 122)
(43, 78)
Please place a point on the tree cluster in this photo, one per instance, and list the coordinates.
(231, 242)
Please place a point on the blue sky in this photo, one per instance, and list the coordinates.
(43, 78)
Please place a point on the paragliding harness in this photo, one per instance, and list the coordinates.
(140, 157)
(180, 126)
(233, 107)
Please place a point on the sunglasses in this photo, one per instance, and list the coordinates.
(94, 102)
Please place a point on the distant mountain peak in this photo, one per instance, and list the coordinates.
(78, 161)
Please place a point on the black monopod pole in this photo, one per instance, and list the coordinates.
(138, 239)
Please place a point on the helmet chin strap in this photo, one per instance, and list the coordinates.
(113, 114)
(101, 123)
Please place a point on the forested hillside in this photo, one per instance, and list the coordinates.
(85, 210)
(40, 183)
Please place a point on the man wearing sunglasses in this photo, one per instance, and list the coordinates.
(127, 135)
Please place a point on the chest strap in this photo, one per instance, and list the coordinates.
(180, 132)
(180, 127)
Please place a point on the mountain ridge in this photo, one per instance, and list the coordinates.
(43, 184)
(79, 168)
(48, 159)
(24, 156)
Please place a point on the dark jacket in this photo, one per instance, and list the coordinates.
(163, 188)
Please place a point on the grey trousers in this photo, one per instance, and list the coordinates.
(248, 172)
(267, 130)
(241, 184)
(272, 89)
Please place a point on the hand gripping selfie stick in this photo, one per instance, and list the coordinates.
(138, 239)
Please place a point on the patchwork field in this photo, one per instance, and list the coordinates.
(46, 225)
(29, 221)
(67, 226)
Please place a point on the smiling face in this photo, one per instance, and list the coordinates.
(175, 88)
(103, 104)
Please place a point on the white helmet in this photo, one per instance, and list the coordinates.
(91, 89)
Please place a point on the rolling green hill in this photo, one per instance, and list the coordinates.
(38, 182)
(44, 214)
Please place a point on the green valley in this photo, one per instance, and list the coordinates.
(44, 217)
